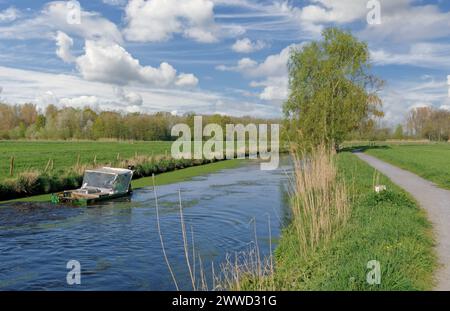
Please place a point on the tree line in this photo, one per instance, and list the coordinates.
(429, 123)
(26, 121)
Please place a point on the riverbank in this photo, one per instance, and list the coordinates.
(385, 228)
(160, 179)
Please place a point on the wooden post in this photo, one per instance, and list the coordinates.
(118, 157)
(11, 167)
(95, 160)
(78, 160)
(49, 162)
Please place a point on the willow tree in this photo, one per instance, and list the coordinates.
(332, 91)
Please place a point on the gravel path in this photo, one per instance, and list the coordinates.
(434, 200)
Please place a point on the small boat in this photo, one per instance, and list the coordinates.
(98, 185)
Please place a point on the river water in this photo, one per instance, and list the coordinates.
(117, 243)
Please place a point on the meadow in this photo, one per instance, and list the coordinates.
(430, 161)
(35, 155)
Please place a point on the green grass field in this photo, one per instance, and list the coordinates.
(430, 161)
(36, 154)
(388, 227)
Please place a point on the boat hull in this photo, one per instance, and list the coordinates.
(71, 198)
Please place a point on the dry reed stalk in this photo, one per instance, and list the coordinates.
(320, 204)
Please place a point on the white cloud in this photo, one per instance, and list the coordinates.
(54, 17)
(275, 88)
(245, 45)
(111, 63)
(242, 66)
(159, 20)
(130, 98)
(272, 73)
(402, 21)
(428, 55)
(80, 101)
(108, 62)
(330, 11)
(64, 44)
(8, 15)
(399, 97)
(186, 79)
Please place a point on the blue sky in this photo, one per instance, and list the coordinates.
(209, 56)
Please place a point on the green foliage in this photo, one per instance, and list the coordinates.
(331, 89)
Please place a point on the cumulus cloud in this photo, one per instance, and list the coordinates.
(186, 79)
(130, 98)
(273, 65)
(8, 15)
(271, 74)
(64, 44)
(111, 63)
(108, 62)
(159, 20)
(245, 45)
(54, 17)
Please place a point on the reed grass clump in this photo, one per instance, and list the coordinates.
(319, 203)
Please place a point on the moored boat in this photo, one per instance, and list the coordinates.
(98, 185)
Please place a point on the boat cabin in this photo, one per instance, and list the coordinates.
(98, 185)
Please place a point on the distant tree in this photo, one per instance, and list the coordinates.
(416, 120)
(398, 133)
(28, 114)
(429, 123)
(331, 89)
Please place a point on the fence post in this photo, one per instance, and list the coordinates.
(78, 160)
(48, 165)
(11, 167)
(95, 160)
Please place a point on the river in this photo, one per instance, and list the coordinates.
(117, 243)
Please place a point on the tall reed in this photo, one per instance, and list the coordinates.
(319, 199)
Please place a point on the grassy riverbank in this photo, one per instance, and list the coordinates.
(388, 227)
(63, 155)
(160, 179)
(430, 161)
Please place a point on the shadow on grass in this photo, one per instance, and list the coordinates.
(362, 148)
